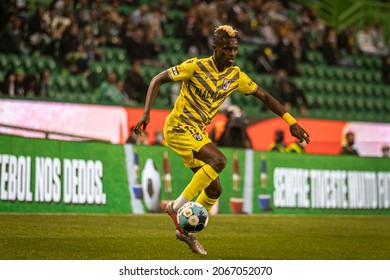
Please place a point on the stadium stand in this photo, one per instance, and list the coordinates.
(334, 92)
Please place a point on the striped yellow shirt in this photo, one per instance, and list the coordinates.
(204, 89)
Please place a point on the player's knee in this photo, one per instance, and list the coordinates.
(219, 163)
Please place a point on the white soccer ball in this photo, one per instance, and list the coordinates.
(192, 217)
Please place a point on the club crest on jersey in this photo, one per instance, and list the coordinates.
(197, 136)
(226, 84)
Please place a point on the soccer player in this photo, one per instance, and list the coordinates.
(206, 83)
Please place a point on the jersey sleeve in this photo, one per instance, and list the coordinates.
(182, 71)
(246, 85)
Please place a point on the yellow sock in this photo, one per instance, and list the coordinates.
(201, 179)
(206, 201)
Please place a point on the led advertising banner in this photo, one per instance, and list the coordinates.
(40, 175)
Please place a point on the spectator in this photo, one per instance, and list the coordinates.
(77, 61)
(38, 37)
(61, 7)
(8, 84)
(134, 85)
(366, 43)
(56, 26)
(69, 42)
(5, 7)
(330, 49)
(346, 41)
(260, 57)
(158, 138)
(312, 29)
(385, 151)
(150, 48)
(31, 86)
(260, 32)
(140, 15)
(82, 12)
(233, 132)
(12, 38)
(286, 55)
(110, 30)
(296, 147)
(44, 84)
(134, 44)
(19, 82)
(188, 28)
(91, 44)
(96, 22)
(288, 94)
(156, 21)
(379, 39)
(278, 145)
(348, 146)
(271, 33)
(386, 69)
(110, 91)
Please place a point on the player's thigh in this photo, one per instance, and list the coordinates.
(185, 143)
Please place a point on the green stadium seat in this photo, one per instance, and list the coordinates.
(72, 83)
(320, 72)
(27, 64)
(349, 74)
(316, 57)
(385, 89)
(263, 80)
(84, 85)
(57, 84)
(51, 64)
(246, 49)
(377, 77)
(59, 96)
(307, 70)
(358, 75)
(328, 87)
(14, 61)
(309, 84)
(3, 61)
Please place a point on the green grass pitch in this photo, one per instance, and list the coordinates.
(227, 237)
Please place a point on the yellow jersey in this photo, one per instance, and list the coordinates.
(204, 89)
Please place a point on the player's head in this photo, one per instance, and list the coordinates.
(225, 45)
(350, 138)
(279, 136)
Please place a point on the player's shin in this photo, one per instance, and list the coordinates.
(201, 179)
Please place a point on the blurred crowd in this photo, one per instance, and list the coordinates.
(73, 32)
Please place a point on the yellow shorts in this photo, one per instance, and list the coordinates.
(183, 140)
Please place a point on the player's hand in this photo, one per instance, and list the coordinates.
(142, 124)
(297, 131)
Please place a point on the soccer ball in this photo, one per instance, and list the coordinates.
(192, 217)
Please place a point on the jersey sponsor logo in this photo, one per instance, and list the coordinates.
(178, 69)
(197, 136)
(175, 71)
(226, 84)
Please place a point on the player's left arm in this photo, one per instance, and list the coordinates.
(275, 106)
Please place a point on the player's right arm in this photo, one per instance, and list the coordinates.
(151, 95)
(179, 72)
